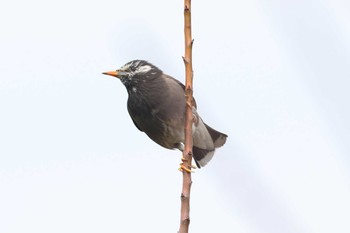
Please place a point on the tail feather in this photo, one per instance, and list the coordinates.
(219, 138)
(203, 156)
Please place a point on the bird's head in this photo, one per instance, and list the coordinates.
(134, 71)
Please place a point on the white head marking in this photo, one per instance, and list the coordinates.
(143, 69)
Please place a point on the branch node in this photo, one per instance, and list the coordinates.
(186, 221)
(185, 60)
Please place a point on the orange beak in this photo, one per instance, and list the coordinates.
(112, 73)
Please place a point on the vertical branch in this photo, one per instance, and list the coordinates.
(187, 152)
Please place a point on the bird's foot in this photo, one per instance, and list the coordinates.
(183, 167)
(186, 168)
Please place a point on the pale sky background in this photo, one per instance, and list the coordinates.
(273, 75)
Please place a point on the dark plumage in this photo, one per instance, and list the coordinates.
(156, 105)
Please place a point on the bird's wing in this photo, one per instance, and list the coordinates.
(170, 104)
(181, 85)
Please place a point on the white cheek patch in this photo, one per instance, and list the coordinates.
(143, 69)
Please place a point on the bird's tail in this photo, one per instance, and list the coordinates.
(219, 138)
(203, 156)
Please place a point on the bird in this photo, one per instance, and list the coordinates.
(156, 104)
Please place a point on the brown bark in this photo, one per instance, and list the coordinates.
(187, 153)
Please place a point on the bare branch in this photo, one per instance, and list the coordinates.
(187, 152)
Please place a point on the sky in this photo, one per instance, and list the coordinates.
(273, 75)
